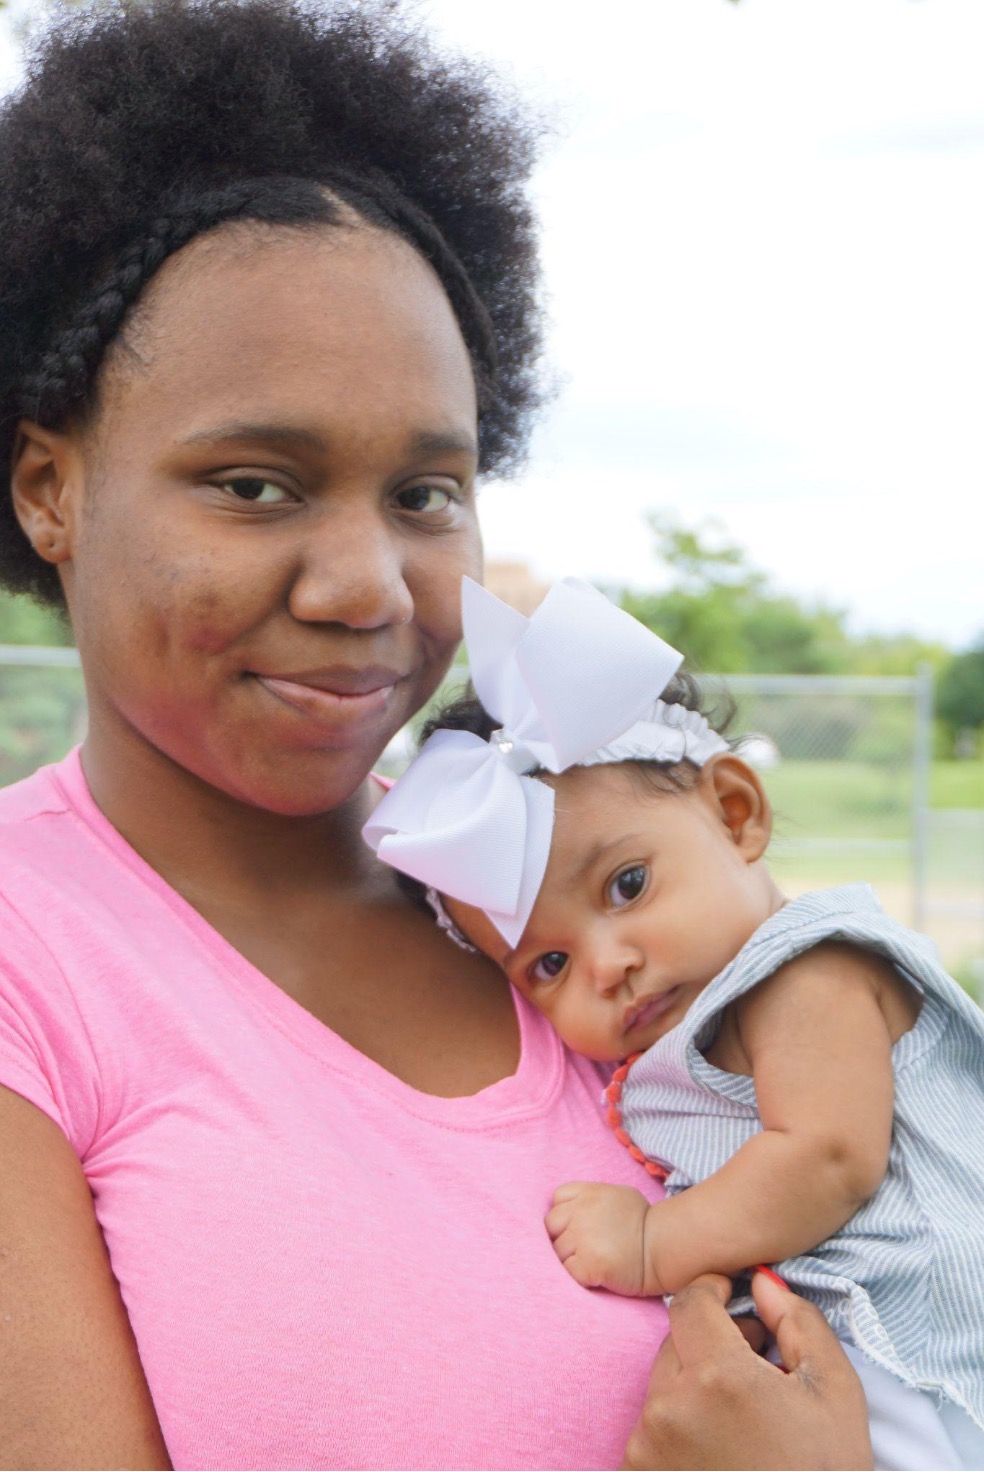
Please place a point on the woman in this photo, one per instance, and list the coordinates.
(274, 1155)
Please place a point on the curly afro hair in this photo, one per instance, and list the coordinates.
(143, 123)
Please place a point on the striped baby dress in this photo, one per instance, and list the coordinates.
(903, 1280)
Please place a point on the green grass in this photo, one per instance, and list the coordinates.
(840, 800)
(957, 784)
(837, 821)
(835, 799)
(838, 866)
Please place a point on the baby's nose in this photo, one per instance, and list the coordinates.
(612, 966)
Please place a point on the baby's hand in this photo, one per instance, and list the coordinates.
(598, 1232)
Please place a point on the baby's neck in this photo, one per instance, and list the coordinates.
(773, 898)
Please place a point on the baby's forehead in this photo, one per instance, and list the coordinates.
(587, 784)
(592, 800)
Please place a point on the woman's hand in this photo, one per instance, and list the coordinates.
(713, 1402)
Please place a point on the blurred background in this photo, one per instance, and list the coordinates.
(763, 249)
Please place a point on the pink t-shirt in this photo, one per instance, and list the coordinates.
(322, 1267)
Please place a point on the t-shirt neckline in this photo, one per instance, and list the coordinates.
(531, 1090)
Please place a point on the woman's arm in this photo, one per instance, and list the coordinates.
(714, 1403)
(72, 1390)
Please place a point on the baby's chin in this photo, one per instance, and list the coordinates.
(609, 1049)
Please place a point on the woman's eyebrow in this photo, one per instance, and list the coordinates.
(427, 442)
(290, 436)
(440, 441)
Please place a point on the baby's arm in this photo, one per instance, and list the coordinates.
(816, 1040)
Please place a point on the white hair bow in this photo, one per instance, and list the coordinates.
(567, 684)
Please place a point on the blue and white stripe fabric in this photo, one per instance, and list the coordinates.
(903, 1280)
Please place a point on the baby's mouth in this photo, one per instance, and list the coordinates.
(641, 1014)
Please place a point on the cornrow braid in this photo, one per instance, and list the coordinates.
(65, 374)
(471, 311)
(379, 200)
(144, 123)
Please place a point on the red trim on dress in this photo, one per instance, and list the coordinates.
(613, 1114)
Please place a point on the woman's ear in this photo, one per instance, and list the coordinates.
(45, 479)
(738, 800)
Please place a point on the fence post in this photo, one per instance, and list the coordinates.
(922, 757)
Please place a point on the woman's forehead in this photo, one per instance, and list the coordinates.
(264, 316)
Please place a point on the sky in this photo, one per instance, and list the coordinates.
(763, 249)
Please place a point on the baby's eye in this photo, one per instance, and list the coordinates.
(627, 886)
(424, 498)
(549, 965)
(255, 488)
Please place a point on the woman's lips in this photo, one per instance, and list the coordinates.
(643, 1013)
(340, 700)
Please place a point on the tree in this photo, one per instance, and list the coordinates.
(25, 622)
(42, 709)
(723, 613)
(960, 694)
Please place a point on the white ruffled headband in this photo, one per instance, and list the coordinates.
(576, 684)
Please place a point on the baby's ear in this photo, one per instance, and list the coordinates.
(738, 799)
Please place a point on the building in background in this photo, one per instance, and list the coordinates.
(515, 584)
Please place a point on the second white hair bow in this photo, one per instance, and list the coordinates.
(464, 818)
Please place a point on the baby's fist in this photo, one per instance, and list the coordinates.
(598, 1232)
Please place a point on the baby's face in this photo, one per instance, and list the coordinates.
(646, 898)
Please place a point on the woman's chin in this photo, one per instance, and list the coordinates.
(302, 787)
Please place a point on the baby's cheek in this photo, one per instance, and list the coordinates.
(589, 1037)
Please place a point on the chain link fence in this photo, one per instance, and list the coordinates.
(850, 762)
(846, 762)
(42, 708)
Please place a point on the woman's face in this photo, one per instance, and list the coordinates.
(276, 504)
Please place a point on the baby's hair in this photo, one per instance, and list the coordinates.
(145, 123)
(465, 712)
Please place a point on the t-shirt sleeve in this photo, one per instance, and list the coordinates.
(45, 1050)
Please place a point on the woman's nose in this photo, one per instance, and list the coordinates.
(351, 571)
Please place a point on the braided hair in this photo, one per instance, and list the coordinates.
(145, 123)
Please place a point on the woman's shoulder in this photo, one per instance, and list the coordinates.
(68, 898)
(53, 839)
(52, 856)
(41, 837)
(46, 793)
(45, 1052)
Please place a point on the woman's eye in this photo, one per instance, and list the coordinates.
(255, 488)
(627, 886)
(549, 965)
(425, 498)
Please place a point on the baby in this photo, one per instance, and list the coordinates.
(803, 1073)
